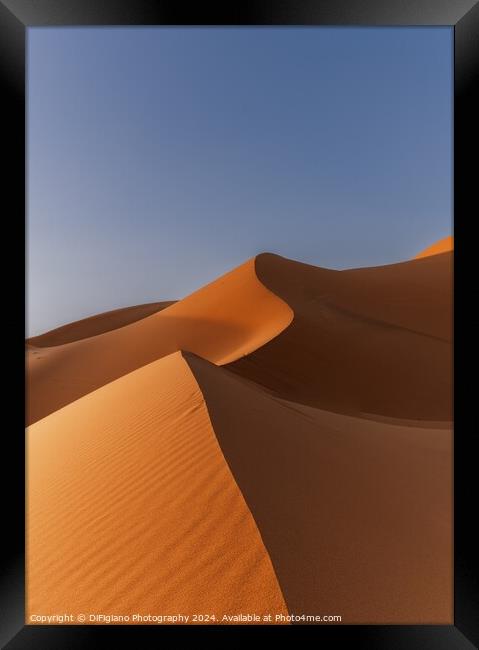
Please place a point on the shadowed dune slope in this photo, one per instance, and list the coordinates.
(98, 324)
(133, 509)
(221, 322)
(441, 246)
(356, 515)
(373, 340)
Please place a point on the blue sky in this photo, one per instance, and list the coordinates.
(159, 158)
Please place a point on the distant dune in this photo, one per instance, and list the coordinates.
(441, 246)
(277, 442)
(98, 324)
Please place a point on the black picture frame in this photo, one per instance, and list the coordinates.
(463, 15)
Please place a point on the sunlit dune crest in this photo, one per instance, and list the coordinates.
(442, 246)
(221, 322)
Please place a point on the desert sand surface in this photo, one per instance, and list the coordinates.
(279, 441)
(97, 324)
(132, 507)
(373, 340)
(441, 246)
(221, 322)
(356, 515)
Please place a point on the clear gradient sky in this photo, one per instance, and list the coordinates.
(159, 158)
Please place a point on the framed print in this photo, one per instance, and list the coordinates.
(243, 238)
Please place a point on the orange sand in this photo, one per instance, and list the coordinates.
(221, 322)
(373, 340)
(98, 324)
(316, 464)
(132, 507)
(356, 515)
(441, 246)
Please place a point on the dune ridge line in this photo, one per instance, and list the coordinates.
(345, 506)
(221, 322)
(132, 507)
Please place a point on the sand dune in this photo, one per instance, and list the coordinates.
(311, 473)
(221, 322)
(356, 515)
(442, 246)
(362, 341)
(374, 340)
(98, 324)
(133, 509)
